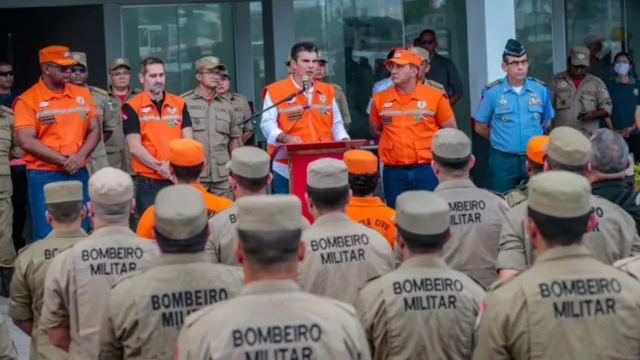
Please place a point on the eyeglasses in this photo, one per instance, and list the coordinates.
(6, 73)
(427, 41)
(79, 68)
(121, 73)
(210, 72)
(521, 62)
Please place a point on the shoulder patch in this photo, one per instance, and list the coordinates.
(6, 110)
(435, 84)
(538, 81)
(187, 93)
(99, 91)
(492, 84)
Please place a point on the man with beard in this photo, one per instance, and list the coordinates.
(150, 121)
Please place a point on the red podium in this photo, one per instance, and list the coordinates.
(299, 157)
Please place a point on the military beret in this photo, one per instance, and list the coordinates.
(179, 212)
(560, 194)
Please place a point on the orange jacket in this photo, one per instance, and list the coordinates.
(156, 130)
(372, 212)
(213, 203)
(310, 122)
(61, 120)
(409, 122)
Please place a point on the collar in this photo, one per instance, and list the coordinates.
(562, 252)
(612, 183)
(455, 184)
(199, 188)
(197, 93)
(112, 231)
(146, 100)
(266, 287)
(415, 95)
(631, 80)
(129, 91)
(372, 201)
(526, 86)
(75, 233)
(332, 218)
(46, 94)
(177, 259)
(424, 261)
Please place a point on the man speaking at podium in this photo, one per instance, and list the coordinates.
(308, 114)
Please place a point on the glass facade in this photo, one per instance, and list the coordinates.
(179, 35)
(533, 30)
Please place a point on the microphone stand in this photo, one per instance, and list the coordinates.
(288, 98)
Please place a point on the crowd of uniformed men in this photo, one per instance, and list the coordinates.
(220, 269)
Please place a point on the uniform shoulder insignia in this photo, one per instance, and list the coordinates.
(538, 81)
(6, 110)
(338, 87)
(515, 197)
(187, 93)
(126, 277)
(99, 91)
(492, 84)
(435, 84)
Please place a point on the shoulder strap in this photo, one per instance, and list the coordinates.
(99, 91)
(435, 84)
(492, 84)
(187, 93)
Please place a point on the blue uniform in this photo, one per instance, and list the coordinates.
(513, 118)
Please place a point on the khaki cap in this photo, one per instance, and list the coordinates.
(327, 174)
(179, 212)
(79, 58)
(62, 191)
(579, 56)
(270, 213)
(207, 62)
(322, 56)
(110, 186)
(117, 62)
(560, 194)
(422, 212)
(451, 144)
(422, 52)
(250, 162)
(568, 146)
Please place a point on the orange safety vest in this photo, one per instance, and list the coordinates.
(408, 127)
(373, 213)
(61, 120)
(156, 130)
(310, 122)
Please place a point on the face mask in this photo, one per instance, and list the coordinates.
(622, 68)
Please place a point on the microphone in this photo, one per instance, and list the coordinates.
(305, 83)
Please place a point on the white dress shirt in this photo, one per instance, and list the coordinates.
(270, 129)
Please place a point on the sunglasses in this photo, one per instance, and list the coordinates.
(121, 73)
(79, 68)
(6, 73)
(427, 41)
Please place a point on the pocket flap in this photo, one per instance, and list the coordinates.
(504, 110)
(535, 108)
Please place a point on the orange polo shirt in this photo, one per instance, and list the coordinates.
(373, 213)
(409, 122)
(213, 203)
(60, 118)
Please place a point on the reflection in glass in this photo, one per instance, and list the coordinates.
(533, 30)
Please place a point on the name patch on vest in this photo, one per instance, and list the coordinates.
(295, 116)
(48, 120)
(386, 119)
(196, 107)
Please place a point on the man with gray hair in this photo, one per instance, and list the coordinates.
(609, 160)
(269, 250)
(80, 278)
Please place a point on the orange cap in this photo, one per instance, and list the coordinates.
(537, 148)
(404, 57)
(360, 162)
(56, 54)
(185, 152)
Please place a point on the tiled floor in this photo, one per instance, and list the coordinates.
(19, 338)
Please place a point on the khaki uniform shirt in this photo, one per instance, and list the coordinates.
(146, 310)
(341, 256)
(567, 306)
(214, 125)
(9, 148)
(341, 100)
(27, 287)
(79, 280)
(630, 265)
(109, 121)
(221, 244)
(517, 195)
(476, 219)
(241, 109)
(613, 239)
(7, 348)
(405, 311)
(568, 101)
(118, 153)
(273, 320)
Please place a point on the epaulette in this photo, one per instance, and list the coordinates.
(492, 84)
(128, 276)
(336, 86)
(435, 84)
(187, 93)
(515, 197)
(538, 81)
(239, 95)
(24, 248)
(99, 91)
(6, 110)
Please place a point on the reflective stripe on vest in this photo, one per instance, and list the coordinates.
(62, 111)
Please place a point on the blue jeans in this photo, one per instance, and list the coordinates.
(506, 170)
(36, 180)
(398, 179)
(146, 191)
(280, 184)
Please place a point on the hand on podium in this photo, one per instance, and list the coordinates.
(288, 139)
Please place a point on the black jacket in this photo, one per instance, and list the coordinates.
(619, 192)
